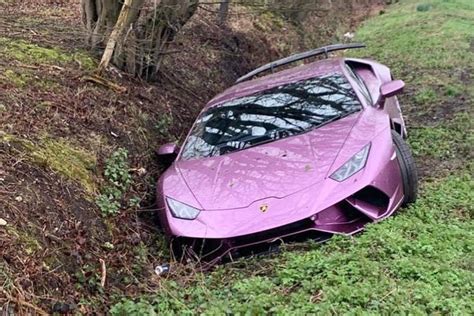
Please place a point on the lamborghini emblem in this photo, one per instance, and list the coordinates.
(263, 208)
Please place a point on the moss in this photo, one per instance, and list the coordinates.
(51, 261)
(28, 242)
(24, 78)
(6, 276)
(46, 84)
(14, 78)
(269, 21)
(72, 163)
(86, 62)
(26, 52)
(29, 53)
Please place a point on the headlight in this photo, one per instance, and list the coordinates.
(355, 164)
(181, 210)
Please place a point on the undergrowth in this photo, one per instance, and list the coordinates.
(118, 181)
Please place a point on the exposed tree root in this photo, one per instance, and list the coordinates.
(104, 82)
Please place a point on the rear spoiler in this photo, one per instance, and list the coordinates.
(287, 60)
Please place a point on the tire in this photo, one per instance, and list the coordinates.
(408, 169)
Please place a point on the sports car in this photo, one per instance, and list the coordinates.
(305, 152)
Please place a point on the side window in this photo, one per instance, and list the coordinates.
(360, 85)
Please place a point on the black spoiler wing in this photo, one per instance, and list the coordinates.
(293, 58)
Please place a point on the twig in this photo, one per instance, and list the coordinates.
(388, 294)
(104, 272)
(104, 82)
(179, 85)
(24, 303)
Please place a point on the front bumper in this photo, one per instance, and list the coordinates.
(372, 194)
(348, 216)
(212, 251)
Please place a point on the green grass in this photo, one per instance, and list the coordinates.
(429, 49)
(31, 54)
(453, 139)
(434, 40)
(418, 262)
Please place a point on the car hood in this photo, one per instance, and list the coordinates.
(275, 169)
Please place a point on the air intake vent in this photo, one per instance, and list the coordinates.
(370, 201)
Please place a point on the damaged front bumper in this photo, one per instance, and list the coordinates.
(316, 212)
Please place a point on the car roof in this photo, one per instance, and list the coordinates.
(294, 74)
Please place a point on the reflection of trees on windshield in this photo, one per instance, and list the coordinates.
(270, 115)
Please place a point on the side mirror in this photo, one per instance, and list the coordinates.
(389, 89)
(167, 153)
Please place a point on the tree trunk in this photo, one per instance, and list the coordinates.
(115, 35)
(223, 11)
(135, 42)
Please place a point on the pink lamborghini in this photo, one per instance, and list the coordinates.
(305, 152)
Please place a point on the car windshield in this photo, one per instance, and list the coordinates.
(273, 114)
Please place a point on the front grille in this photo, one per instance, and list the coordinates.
(213, 251)
(274, 232)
